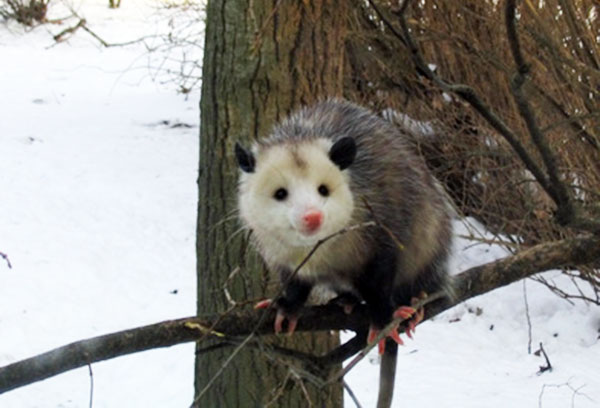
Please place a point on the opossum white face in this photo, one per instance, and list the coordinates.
(296, 193)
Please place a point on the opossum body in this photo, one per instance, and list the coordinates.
(335, 165)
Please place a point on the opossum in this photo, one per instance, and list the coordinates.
(331, 166)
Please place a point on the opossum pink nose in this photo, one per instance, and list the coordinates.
(312, 219)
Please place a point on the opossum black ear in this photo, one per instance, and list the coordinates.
(245, 159)
(343, 152)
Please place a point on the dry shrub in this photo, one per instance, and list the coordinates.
(25, 12)
(467, 43)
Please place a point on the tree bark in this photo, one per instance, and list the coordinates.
(261, 60)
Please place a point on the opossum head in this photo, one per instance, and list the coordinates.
(296, 193)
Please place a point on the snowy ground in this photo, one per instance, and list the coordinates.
(98, 205)
(475, 355)
(97, 216)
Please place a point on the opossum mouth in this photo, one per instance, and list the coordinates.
(309, 233)
(299, 238)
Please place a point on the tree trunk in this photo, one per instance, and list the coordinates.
(261, 60)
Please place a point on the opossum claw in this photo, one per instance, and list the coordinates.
(263, 304)
(381, 346)
(373, 333)
(412, 324)
(396, 337)
(280, 318)
(404, 312)
(393, 334)
(418, 317)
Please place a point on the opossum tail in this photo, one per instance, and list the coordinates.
(387, 374)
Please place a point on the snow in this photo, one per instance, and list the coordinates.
(98, 215)
(98, 205)
(475, 355)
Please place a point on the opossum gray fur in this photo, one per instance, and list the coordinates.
(333, 165)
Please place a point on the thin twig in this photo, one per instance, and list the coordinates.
(381, 225)
(279, 391)
(69, 30)
(222, 368)
(263, 316)
(351, 394)
(3, 255)
(83, 25)
(567, 384)
(307, 258)
(386, 21)
(212, 347)
(228, 296)
(548, 366)
(469, 95)
(91, 385)
(344, 351)
(380, 336)
(527, 316)
(327, 238)
(298, 379)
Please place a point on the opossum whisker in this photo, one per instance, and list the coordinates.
(232, 216)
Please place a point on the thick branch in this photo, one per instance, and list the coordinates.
(232, 325)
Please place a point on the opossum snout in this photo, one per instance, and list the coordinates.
(312, 220)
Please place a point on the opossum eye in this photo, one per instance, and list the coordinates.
(323, 190)
(280, 194)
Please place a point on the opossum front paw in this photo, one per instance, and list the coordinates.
(279, 317)
(405, 312)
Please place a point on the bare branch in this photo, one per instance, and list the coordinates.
(5, 257)
(567, 213)
(557, 189)
(238, 322)
(83, 25)
(351, 394)
(469, 95)
(91, 385)
(548, 366)
(69, 30)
